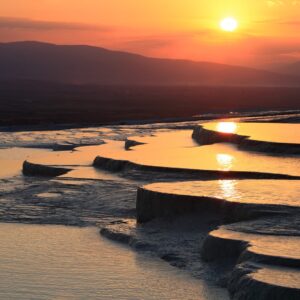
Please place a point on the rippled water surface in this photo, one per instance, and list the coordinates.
(57, 262)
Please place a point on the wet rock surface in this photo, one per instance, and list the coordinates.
(31, 169)
(176, 241)
(245, 244)
(118, 165)
(257, 281)
(207, 135)
(77, 202)
(269, 238)
(233, 200)
(129, 143)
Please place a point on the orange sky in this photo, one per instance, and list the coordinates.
(268, 32)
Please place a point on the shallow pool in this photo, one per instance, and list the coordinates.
(58, 262)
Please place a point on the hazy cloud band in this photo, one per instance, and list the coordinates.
(20, 23)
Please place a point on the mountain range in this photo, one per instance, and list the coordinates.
(79, 64)
(290, 69)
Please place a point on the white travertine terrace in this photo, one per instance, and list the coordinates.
(241, 191)
(177, 150)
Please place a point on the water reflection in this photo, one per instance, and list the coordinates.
(244, 191)
(225, 161)
(268, 132)
(176, 149)
(57, 262)
(228, 189)
(227, 127)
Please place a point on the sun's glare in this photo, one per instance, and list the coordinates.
(229, 24)
(225, 161)
(227, 127)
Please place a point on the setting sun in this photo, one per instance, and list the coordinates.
(227, 127)
(170, 125)
(229, 24)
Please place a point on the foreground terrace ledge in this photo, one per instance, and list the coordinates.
(262, 137)
(234, 200)
(264, 282)
(262, 250)
(267, 266)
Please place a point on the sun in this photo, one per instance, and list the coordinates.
(227, 127)
(229, 24)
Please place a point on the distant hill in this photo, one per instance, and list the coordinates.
(93, 65)
(289, 69)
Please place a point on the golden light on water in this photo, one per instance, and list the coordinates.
(225, 161)
(227, 127)
(228, 188)
(229, 24)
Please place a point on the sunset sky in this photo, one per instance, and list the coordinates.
(268, 31)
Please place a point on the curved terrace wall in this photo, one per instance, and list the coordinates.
(207, 137)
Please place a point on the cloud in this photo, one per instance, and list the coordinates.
(293, 23)
(279, 22)
(278, 3)
(147, 43)
(273, 3)
(278, 49)
(29, 24)
(270, 51)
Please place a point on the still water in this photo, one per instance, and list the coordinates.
(178, 150)
(242, 191)
(58, 262)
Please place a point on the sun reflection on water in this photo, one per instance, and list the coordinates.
(227, 127)
(225, 161)
(228, 189)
